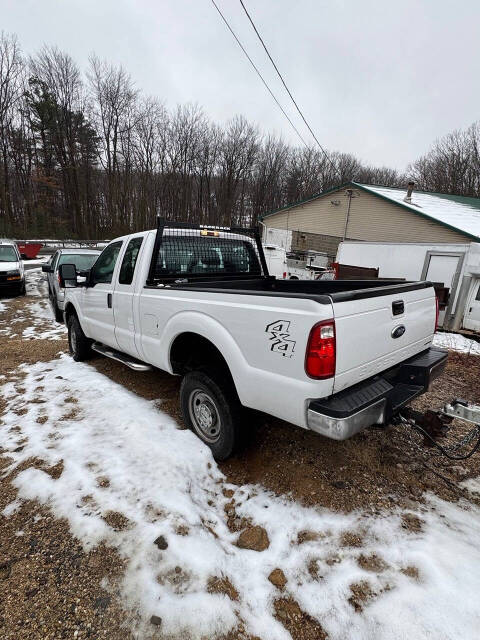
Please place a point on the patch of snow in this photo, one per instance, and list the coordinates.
(37, 311)
(161, 478)
(37, 261)
(472, 485)
(456, 342)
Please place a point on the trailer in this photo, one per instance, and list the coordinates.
(455, 267)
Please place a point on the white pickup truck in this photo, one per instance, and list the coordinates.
(331, 356)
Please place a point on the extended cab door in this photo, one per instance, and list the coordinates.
(124, 296)
(97, 298)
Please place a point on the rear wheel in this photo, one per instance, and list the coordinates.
(78, 342)
(211, 411)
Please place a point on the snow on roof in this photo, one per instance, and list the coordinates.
(457, 212)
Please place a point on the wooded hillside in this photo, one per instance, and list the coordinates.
(88, 155)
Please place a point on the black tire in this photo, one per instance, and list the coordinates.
(58, 312)
(218, 406)
(78, 342)
(23, 289)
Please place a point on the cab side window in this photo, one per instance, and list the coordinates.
(102, 270)
(130, 260)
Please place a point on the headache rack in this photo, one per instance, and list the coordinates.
(185, 252)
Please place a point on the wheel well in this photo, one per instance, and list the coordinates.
(191, 351)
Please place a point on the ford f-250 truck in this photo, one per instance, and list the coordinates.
(331, 356)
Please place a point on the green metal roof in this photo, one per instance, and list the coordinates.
(457, 213)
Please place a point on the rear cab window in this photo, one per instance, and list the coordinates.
(129, 261)
(195, 256)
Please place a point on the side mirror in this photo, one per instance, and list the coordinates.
(46, 268)
(68, 275)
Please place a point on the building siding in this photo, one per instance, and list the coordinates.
(371, 218)
(302, 240)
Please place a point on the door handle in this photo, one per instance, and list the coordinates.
(470, 310)
(109, 300)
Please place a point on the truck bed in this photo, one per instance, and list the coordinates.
(322, 291)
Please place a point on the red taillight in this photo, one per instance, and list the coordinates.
(58, 278)
(320, 358)
(284, 275)
(437, 310)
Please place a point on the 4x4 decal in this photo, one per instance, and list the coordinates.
(279, 340)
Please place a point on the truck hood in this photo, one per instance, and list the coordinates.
(9, 266)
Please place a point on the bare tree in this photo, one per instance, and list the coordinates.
(11, 70)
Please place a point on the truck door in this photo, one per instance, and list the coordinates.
(124, 296)
(97, 299)
(472, 313)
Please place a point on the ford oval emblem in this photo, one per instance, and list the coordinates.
(398, 331)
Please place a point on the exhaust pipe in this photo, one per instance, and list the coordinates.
(408, 197)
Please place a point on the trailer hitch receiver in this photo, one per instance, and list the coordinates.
(435, 424)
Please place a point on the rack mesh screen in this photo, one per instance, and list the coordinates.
(195, 254)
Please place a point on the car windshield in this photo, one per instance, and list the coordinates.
(80, 260)
(8, 254)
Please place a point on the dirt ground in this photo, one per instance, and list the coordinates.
(51, 588)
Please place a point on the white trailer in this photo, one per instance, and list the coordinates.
(281, 238)
(455, 265)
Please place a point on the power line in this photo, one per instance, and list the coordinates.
(285, 85)
(258, 72)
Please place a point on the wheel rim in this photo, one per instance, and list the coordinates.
(73, 341)
(204, 415)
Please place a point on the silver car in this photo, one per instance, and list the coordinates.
(83, 259)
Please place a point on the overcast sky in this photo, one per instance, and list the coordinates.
(381, 79)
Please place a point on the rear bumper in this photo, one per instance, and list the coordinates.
(376, 400)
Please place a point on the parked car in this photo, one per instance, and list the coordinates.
(12, 274)
(330, 356)
(81, 258)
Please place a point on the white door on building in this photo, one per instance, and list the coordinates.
(442, 268)
(472, 312)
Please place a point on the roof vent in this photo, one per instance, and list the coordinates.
(408, 197)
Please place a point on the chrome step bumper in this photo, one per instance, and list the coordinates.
(376, 400)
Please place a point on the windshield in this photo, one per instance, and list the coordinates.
(8, 254)
(82, 261)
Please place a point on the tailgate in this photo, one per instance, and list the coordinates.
(378, 328)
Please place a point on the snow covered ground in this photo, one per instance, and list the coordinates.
(122, 455)
(28, 264)
(457, 342)
(37, 313)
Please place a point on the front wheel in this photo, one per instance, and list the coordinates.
(78, 342)
(57, 311)
(211, 412)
